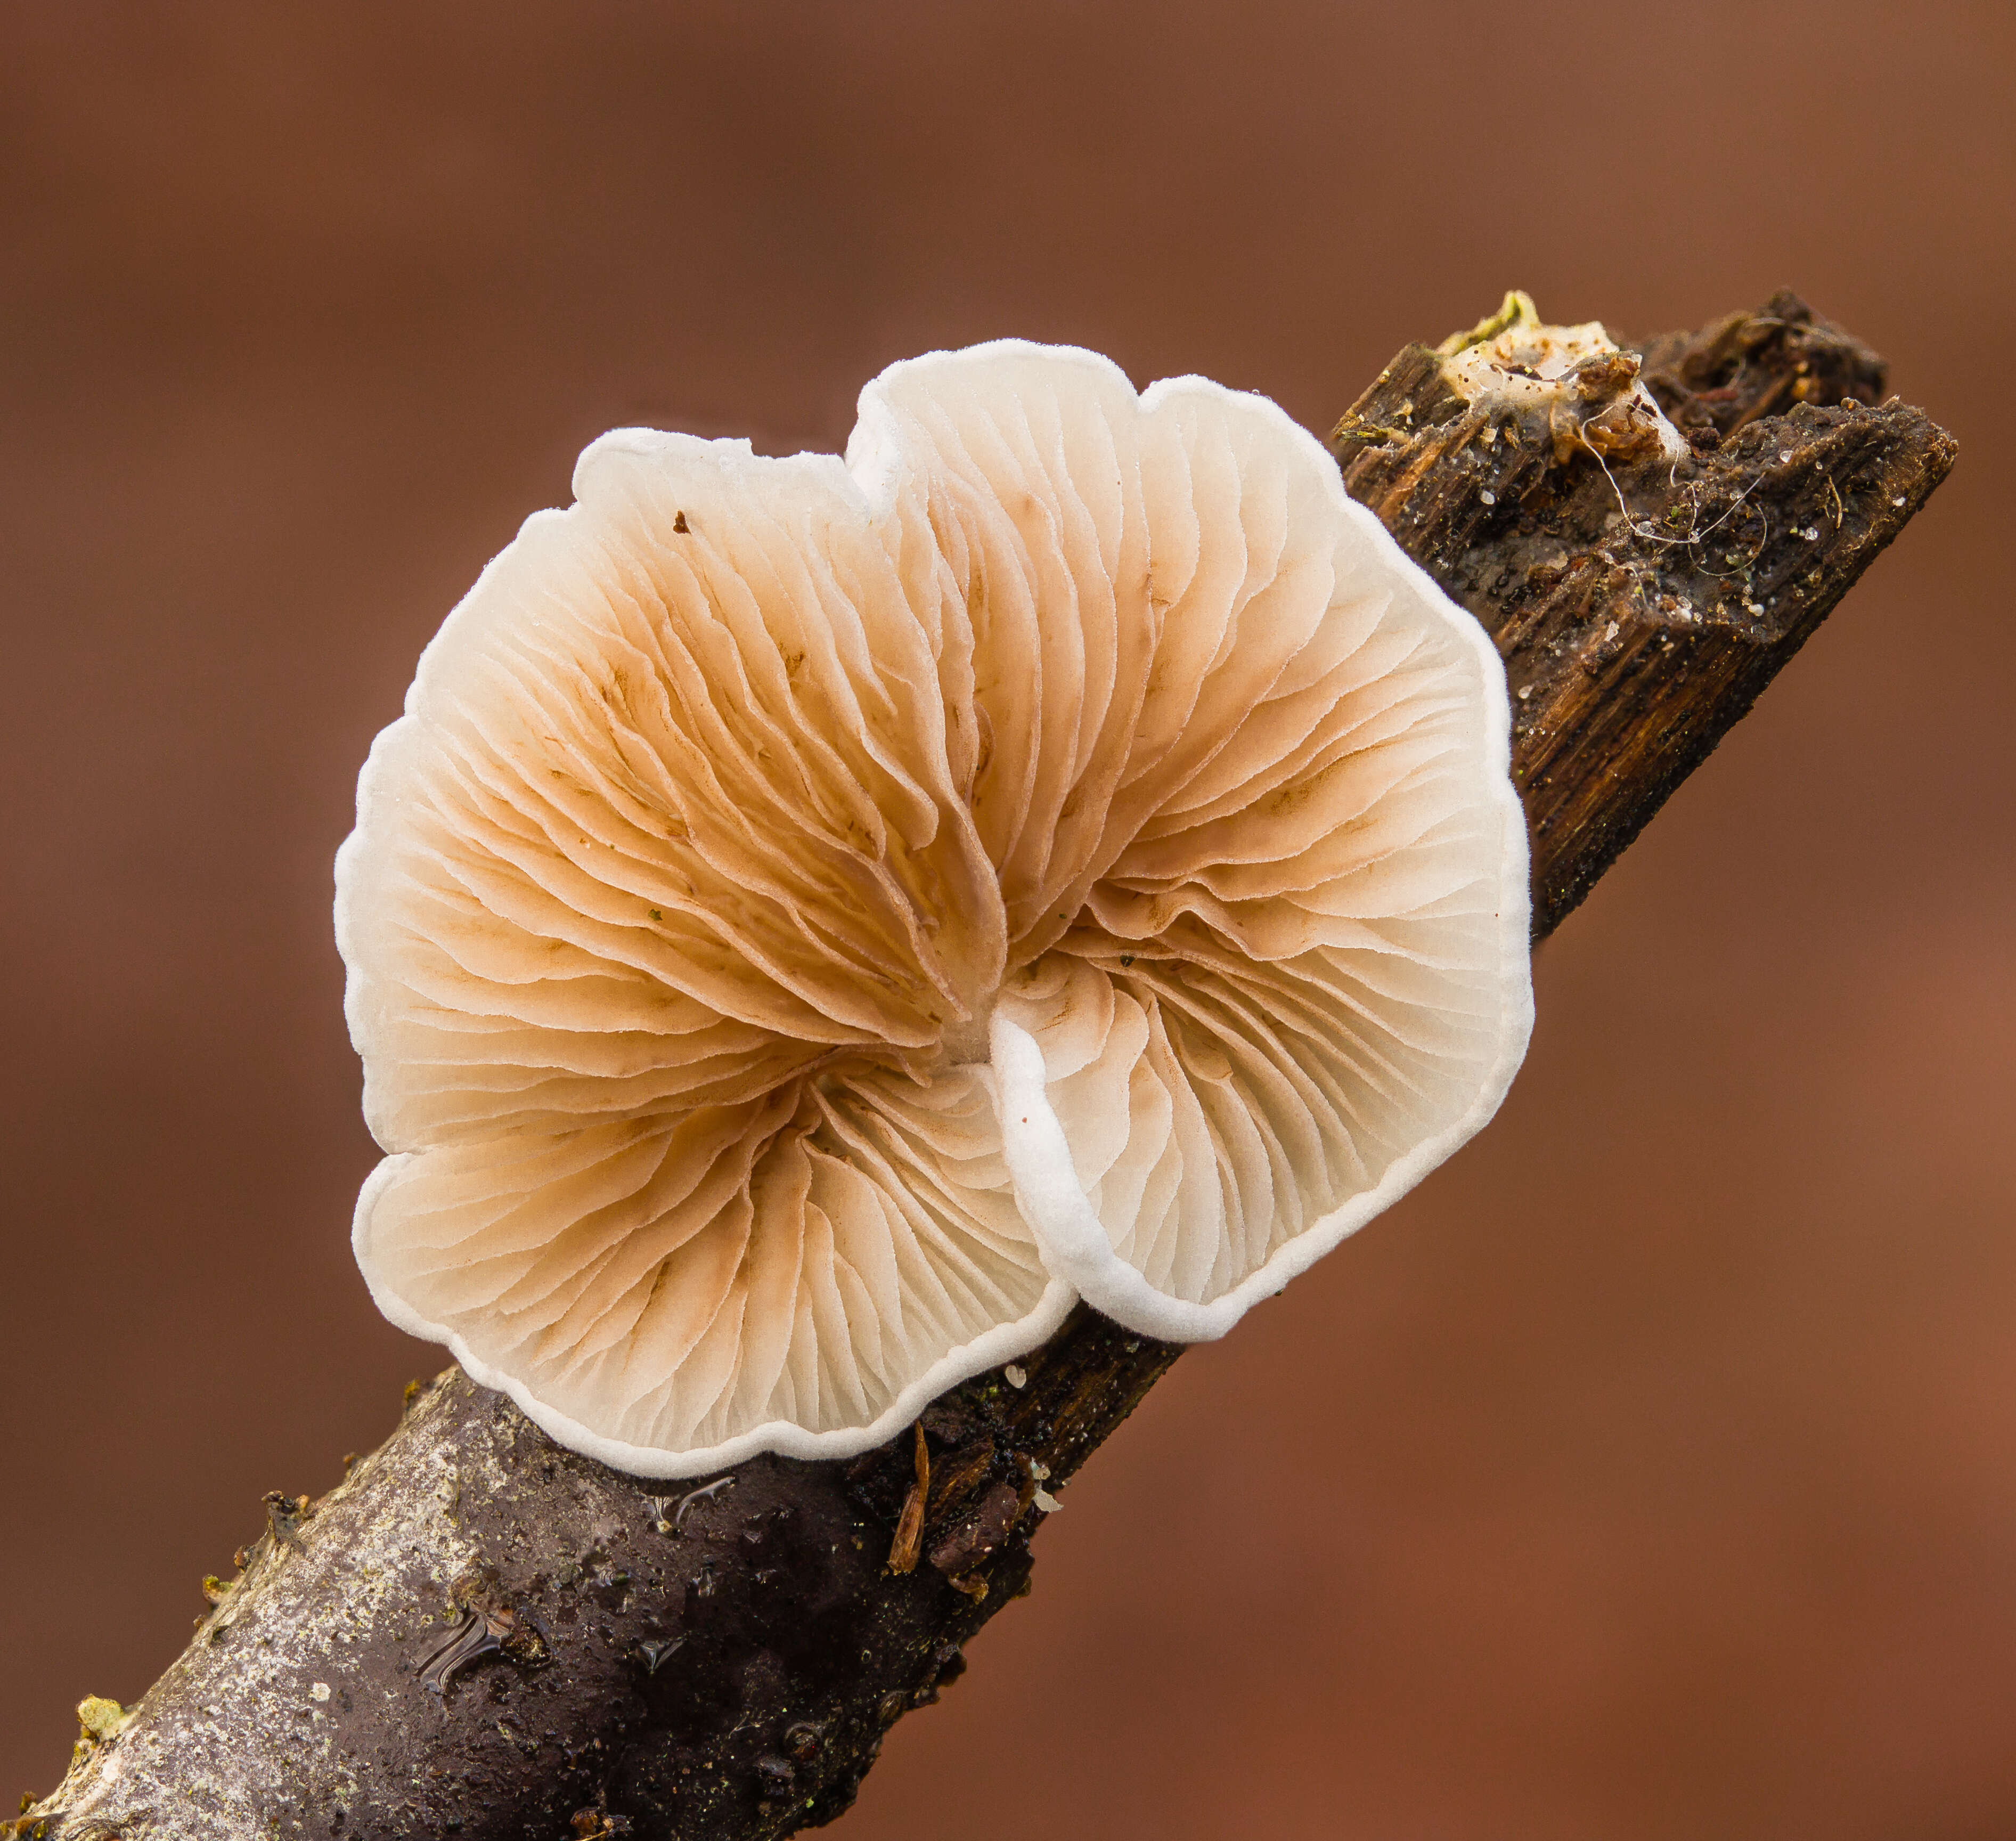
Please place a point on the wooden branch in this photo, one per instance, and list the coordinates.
(1641, 609)
(481, 1633)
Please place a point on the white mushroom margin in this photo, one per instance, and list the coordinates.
(816, 919)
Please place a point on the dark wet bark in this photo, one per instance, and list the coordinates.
(481, 1634)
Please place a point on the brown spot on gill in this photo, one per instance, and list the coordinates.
(1298, 793)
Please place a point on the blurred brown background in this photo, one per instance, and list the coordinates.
(1652, 1472)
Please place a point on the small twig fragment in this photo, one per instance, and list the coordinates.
(910, 1524)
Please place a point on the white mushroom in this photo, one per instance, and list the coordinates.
(814, 919)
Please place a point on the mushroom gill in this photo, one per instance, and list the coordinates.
(814, 919)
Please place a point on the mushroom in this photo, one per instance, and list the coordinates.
(816, 919)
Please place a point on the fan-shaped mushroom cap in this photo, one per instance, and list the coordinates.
(812, 919)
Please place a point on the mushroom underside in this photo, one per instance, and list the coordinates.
(815, 921)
